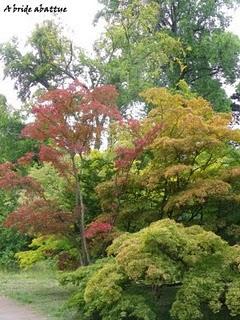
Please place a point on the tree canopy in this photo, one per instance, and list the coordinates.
(141, 265)
(48, 62)
(178, 162)
(211, 53)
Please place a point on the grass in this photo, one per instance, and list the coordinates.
(40, 289)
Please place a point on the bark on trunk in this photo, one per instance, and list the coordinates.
(98, 138)
(80, 211)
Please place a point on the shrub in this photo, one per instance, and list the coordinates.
(203, 269)
(56, 249)
(11, 242)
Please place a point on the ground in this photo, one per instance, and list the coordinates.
(11, 310)
(40, 293)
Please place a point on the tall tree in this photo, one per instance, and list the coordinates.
(49, 61)
(211, 53)
(132, 54)
(66, 119)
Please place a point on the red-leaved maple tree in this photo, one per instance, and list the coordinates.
(66, 123)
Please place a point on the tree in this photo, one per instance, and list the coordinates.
(132, 54)
(97, 167)
(201, 267)
(211, 56)
(178, 162)
(66, 120)
(50, 61)
(13, 145)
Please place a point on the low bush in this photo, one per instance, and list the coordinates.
(130, 284)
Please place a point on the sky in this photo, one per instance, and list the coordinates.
(78, 21)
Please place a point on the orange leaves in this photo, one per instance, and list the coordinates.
(231, 175)
(189, 125)
(176, 160)
(198, 193)
(186, 124)
(176, 170)
(141, 141)
(105, 94)
(162, 97)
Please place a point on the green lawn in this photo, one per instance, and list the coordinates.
(40, 289)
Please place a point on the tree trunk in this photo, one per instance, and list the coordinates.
(80, 211)
(98, 138)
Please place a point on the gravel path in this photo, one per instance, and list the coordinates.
(11, 310)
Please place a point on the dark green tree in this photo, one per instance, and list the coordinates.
(133, 54)
(211, 56)
(12, 144)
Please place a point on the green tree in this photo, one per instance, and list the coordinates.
(12, 145)
(130, 284)
(49, 61)
(211, 53)
(132, 54)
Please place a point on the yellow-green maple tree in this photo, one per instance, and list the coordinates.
(178, 162)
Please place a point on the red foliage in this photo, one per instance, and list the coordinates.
(70, 117)
(69, 120)
(37, 215)
(40, 216)
(65, 261)
(26, 159)
(55, 157)
(126, 155)
(10, 178)
(5, 167)
(97, 228)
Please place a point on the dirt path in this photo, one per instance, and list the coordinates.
(11, 310)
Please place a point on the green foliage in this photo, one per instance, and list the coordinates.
(13, 146)
(80, 279)
(133, 53)
(27, 258)
(96, 168)
(210, 55)
(45, 247)
(232, 297)
(49, 61)
(203, 267)
(11, 242)
(56, 188)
